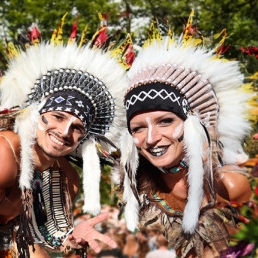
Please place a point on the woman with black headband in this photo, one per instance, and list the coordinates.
(186, 122)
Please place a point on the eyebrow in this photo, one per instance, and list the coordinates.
(63, 114)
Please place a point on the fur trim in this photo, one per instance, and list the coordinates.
(132, 206)
(129, 160)
(194, 139)
(26, 125)
(91, 177)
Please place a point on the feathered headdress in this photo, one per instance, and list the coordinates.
(46, 69)
(183, 76)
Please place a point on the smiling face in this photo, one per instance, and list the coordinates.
(158, 136)
(59, 133)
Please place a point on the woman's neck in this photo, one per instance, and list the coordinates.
(177, 183)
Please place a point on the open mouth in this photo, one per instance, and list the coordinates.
(55, 140)
(157, 151)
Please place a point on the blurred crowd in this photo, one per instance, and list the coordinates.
(145, 243)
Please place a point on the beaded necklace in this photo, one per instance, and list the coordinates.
(166, 206)
(182, 165)
(51, 222)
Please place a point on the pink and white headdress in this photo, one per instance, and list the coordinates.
(203, 89)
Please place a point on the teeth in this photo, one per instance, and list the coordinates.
(157, 151)
(56, 141)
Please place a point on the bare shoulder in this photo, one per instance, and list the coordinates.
(234, 186)
(10, 137)
(9, 157)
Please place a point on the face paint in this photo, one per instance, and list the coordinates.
(181, 138)
(44, 120)
(40, 127)
(177, 131)
(69, 124)
(149, 129)
(135, 140)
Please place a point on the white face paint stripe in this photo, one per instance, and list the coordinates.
(69, 124)
(41, 127)
(149, 129)
(135, 140)
(177, 131)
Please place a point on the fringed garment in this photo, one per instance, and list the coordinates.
(161, 209)
(46, 212)
(211, 235)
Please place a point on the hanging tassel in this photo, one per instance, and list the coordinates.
(91, 177)
(194, 139)
(24, 235)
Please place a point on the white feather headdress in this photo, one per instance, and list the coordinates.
(213, 103)
(32, 77)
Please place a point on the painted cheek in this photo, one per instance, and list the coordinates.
(41, 127)
(177, 132)
(69, 124)
(45, 122)
(135, 140)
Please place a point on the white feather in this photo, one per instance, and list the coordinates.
(91, 177)
(194, 139)
(26, 125)
(129, 157)
(37, 61)
(224, 76)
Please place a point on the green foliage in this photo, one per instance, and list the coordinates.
(239, 17)
(249, 232)
(17, 16)
(107, 187)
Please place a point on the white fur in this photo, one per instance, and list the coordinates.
(26, 125)
(129, 156)
(132, 206)
(194, 139)
(91, 177)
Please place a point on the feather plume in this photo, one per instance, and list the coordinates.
(91, 177)
(26, 125)
(194, 139)
(129, 160)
